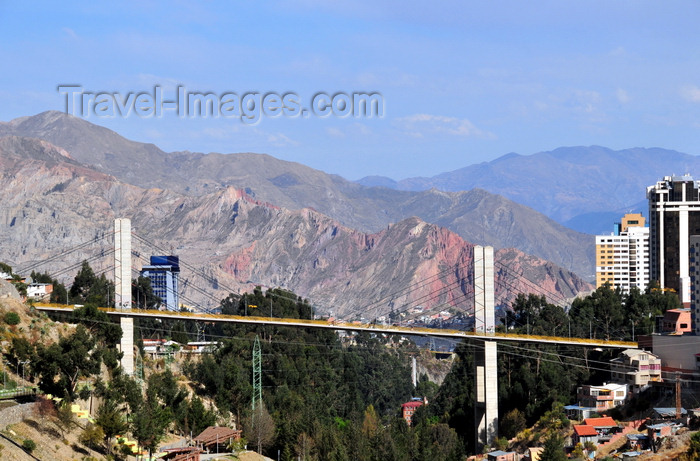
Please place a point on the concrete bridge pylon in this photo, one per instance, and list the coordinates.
(122, 289)
(486, 405)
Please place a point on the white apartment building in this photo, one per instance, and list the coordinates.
(636, 368)
(622, 258)
(602, 398)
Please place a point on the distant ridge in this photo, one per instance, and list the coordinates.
(476, 215)
(572, 185)
(240, 241)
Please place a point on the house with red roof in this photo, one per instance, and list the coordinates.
(409, 408)
(605, 422)
(216, 438)
(605, 427)
(584, 433)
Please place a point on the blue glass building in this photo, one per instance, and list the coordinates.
(164, 272)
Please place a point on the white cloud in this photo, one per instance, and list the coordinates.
(335, 132)
(280, 140)
(619, 51)
(691, 93)
(622, 96)
(353, 131)
(584, 100)
(70, 32)
(419, 125)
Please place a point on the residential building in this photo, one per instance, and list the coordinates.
(217, 438)
(661, 430)
(160, 347)
(676, 321)
(676, 352)
(664, 414)
(636, 368)
(584, 433)
(578, 412)
(595, 430)
(622, 258)
(409, 408)
(164, 273)
(603, 397)
(200, 347)
(694, 263)
(534, 453)
(500, 455)
(674, 215)
(39, 290)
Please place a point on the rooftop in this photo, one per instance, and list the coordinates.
(605, 421)
(583, 430)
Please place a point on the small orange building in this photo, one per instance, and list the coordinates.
(409, 408)
(677, 321)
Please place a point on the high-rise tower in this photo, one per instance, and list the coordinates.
(674, 216)
(622, 258)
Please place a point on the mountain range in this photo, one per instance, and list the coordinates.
(587, 188)
(476, 215)
(58, 211)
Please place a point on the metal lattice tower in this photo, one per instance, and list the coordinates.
(257, 373)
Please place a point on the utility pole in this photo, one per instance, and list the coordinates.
(678, 396)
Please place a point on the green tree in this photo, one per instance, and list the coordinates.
(84, 280)
(100, 324)
(11, 318)
(66, 418)
(512, 423)
(553, 449)
(110, 419)
(29, 445)
(6, 268)
(61, 365)
(151, 418)
(142, 294)
(89, 288)
(426, 388)
(261, 428)
(229, 305)
(534, 315)
(22, 350)
(178, 333)
(197, 417)
(59, 294)
(92, 436)
(693, 452)
(577, 453)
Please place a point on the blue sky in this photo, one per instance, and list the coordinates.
(463, 82)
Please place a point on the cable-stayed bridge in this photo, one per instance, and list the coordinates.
(349, 326)
(479, 287)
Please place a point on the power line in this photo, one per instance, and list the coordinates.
(62, 254)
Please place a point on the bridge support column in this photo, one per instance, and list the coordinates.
(486, 405)
(122, 289)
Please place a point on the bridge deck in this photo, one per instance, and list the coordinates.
(390, 329)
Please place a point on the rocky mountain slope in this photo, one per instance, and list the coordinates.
(583, 182)
(476, 215)
(52, 203)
